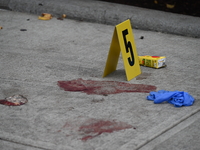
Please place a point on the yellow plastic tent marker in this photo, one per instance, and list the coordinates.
(123, 41)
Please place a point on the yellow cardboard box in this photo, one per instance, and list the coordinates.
(152, 61)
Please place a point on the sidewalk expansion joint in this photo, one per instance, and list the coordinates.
(167, 129)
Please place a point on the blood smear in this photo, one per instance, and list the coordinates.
(103, 87)
(95, 127)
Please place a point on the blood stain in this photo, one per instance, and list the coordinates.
(103, 87)
(15, 100)
(5, 102)
(95, 127)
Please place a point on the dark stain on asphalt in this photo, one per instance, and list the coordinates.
(23, 29)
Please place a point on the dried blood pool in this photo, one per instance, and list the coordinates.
(103, 87)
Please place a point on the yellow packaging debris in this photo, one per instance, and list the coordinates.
(64, 16)
(170, 6)
(45, 16)
(152, 61)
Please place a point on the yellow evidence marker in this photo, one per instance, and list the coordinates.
(123, 41)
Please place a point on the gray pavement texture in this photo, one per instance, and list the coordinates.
(33, 61)
(110, 13)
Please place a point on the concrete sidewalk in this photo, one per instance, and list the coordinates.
(110, 13)
(33, 61)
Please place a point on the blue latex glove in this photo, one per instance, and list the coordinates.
(177, 98)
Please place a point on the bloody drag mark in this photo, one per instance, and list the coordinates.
(104, 87)
(94, 127)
